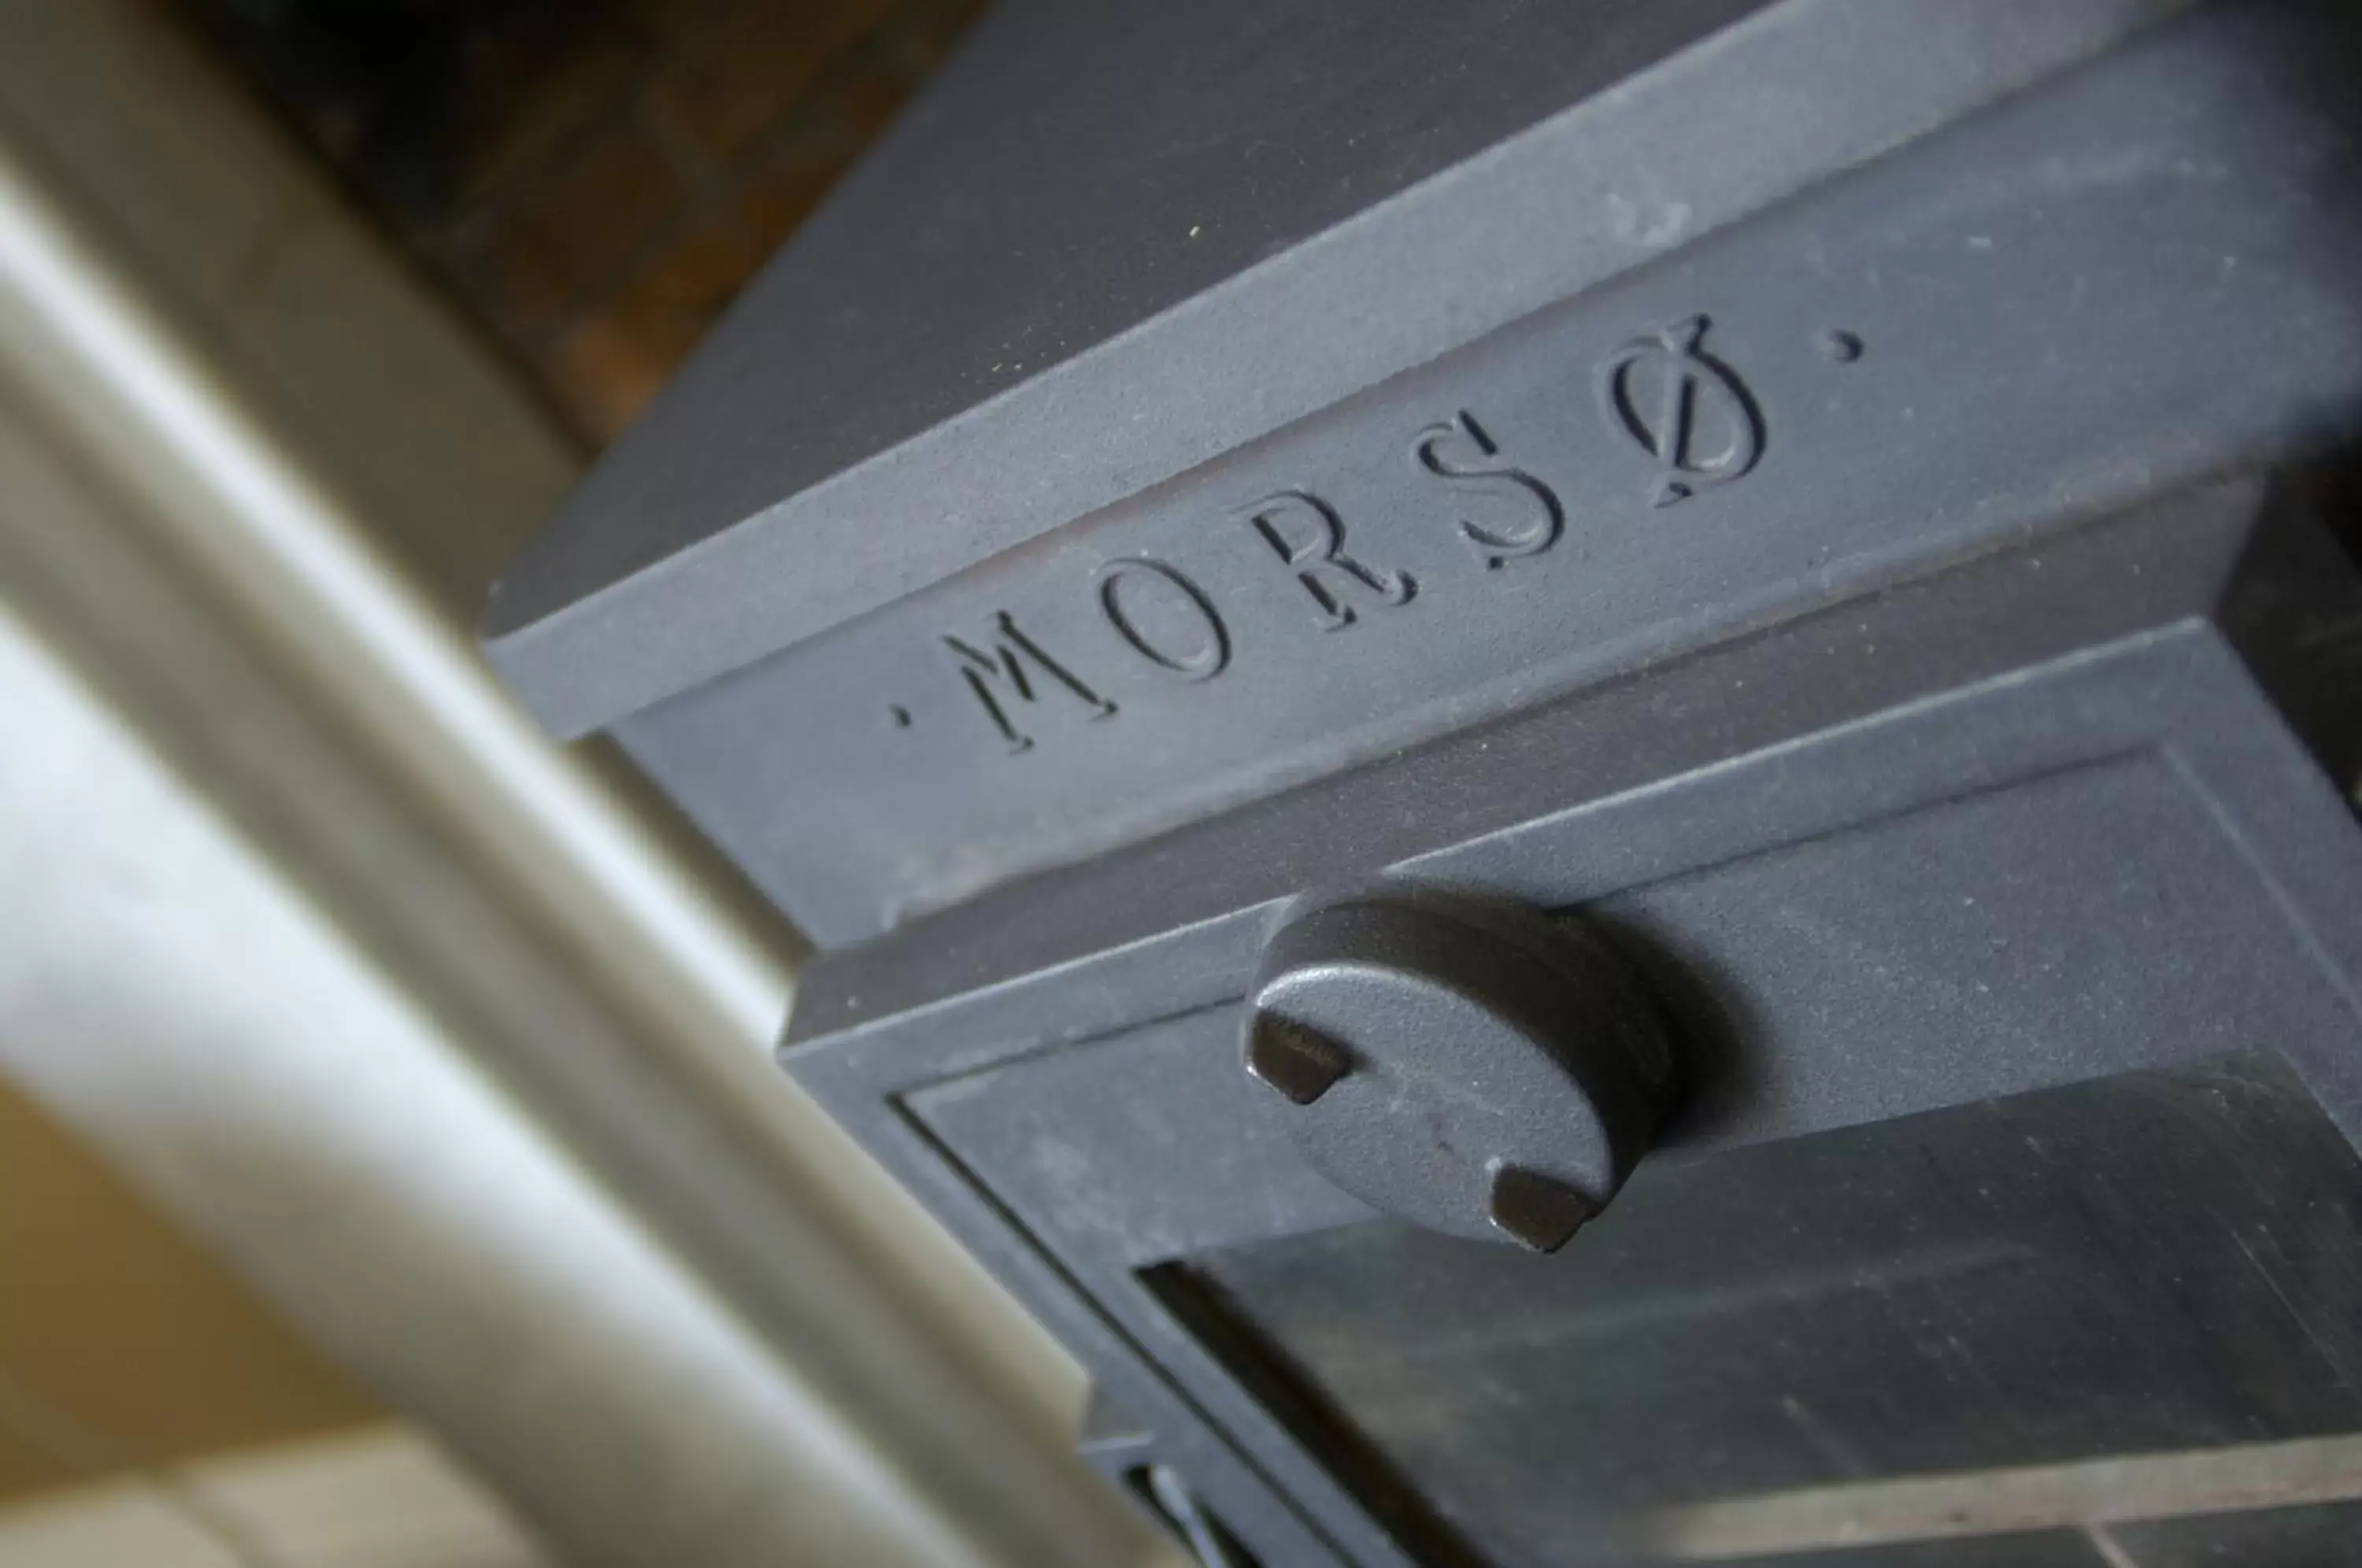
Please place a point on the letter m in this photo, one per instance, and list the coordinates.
(997, 676)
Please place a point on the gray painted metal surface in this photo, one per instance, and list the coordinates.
(2035, 822)
(1500, 525)
(1004, 320)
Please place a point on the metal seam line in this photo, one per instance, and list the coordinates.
(2089, 1495)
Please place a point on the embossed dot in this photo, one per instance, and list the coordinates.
(1842, 347)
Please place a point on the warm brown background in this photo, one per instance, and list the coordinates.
(123, 1347)
(590, 181)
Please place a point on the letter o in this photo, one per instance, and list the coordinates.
(1209, 653)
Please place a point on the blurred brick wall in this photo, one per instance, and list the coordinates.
(591, 180)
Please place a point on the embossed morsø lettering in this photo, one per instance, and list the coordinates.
(1682, 408)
